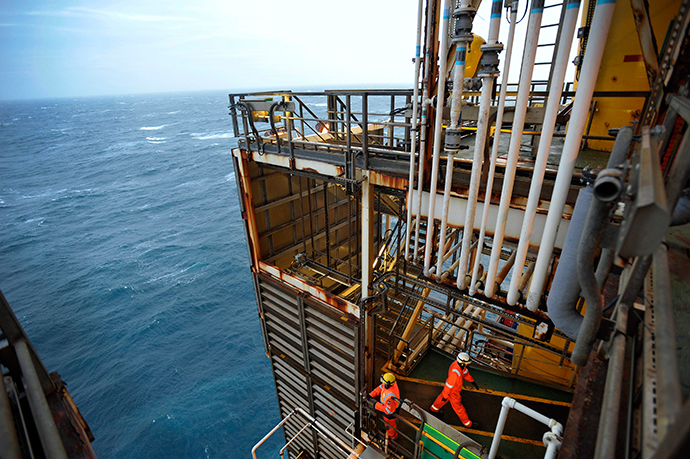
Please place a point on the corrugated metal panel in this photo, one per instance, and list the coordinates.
(313, 350)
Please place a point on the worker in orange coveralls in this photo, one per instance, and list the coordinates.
(456, 374)
(389, 396)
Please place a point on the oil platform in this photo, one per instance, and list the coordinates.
(537, 227)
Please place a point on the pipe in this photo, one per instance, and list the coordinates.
(527, 69)
(282, 450)
(452, 143)
(552, 107)
(413, 147)
(610, 406)
(440, 257)
(565, 288)
(430, 43)
(488, 72)
(497, 132)
(43, 418)
(473, 191)
(592, 60)
(591, 236)
(589, 242)
(552, 443)
(438, 128)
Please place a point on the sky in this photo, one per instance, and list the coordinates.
(86, 48)
(91, 48)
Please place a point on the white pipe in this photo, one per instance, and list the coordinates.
(497, 134)
(563, 53)
(571, 146)
(430, 42)
(515, 139)
(456, 104)
(468, 323)
(473, 191)
(552, 443)
(477, 160)
(415, 108)
(438, 128)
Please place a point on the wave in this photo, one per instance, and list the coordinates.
(152, 128)
(156, 139)
(209, 136)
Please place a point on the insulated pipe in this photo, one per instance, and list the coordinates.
(591, 235)
(488, 73)
(528, 58)
(571, 146)
(497, 132)
(552, 107)
(506, 405)
(415, 108)
(438, 128)
(565, 288)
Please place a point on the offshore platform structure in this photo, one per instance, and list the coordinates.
(524, 224)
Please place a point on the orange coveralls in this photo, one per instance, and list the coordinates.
(451, 392)
(387, 406)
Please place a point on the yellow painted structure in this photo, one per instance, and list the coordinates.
(623, 69)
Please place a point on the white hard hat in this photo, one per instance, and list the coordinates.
(463, 358)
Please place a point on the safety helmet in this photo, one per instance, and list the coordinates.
(463, 358)
(388, 379)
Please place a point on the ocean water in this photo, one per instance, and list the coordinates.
(124, 257)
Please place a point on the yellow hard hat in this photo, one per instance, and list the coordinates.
(388, 378)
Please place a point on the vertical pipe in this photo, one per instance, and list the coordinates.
(497, 132)
(515, 138)
(563, 53)
(502, 417)
(367, 230)
(488, 74)
(456, 104)
(430, 41)
(438, 128)
(571, 146)
(413, 144)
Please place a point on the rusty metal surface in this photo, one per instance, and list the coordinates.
(75, 433)
(579, 438)
(332, 300)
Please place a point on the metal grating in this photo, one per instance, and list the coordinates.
(313, 350)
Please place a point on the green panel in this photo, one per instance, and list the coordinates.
(433, 450)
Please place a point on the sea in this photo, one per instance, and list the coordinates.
(123, 255)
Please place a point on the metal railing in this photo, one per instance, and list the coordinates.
(352, 126)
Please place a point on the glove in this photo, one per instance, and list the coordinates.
(475, 385)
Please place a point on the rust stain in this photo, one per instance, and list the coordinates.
(311, 290)
(390, 181)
